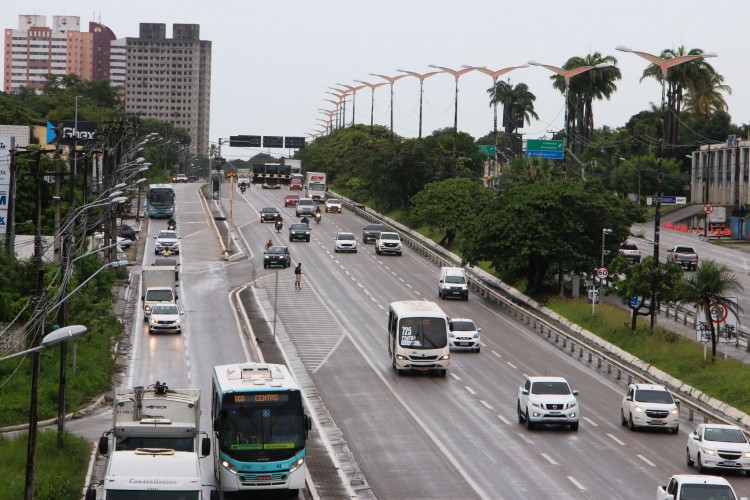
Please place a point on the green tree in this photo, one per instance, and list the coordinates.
(712, 285)
(448, 204)
(518, 108)
(596, 84)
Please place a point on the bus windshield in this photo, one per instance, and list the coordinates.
(161, 197)
(244, 429)
(423, 333)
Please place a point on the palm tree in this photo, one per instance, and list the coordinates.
(596, 84)
(711, 286)
(707, 99)
(697, 77)
(518, 108)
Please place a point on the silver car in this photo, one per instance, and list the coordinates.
(345, 242)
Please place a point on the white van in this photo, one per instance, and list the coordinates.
(453, 283)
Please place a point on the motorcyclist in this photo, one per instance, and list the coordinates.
(171, 224)
(305, 220)
(269, 244)
(318, 214)
(279, 219)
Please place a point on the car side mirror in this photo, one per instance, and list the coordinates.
(143, 297)
(479, 330)
(525, 392)
(176, 297)
(575, 393)
(628, 398)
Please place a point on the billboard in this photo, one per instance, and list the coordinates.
(68, 132)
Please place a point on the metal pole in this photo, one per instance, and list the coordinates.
(565, 133)
(275, 302)
(231, 200)
(657, 215)
(494, 131)
(421, 92)
(372, 108)
(391, 110)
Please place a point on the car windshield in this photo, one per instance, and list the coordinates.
(292, 197)
(375, 227)
(706, 492)
(423, 333)
(629, 247)
(167, 234)
(558, 388)
(455, 279)
(159, 296)
(463, 326)
(388, 236)
(277, 250)
(162, 261)
(269, 210)
(333, 201)
(652, 396)
(306, 201)
(684, 250)
(724, 435)
(299, 227)
(164, 310)
(345, 236)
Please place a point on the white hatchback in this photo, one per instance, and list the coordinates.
(647, 405)
(463, 335)
(718, 446)
(345, 242)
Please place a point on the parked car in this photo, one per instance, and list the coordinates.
(268, 214)
(648, 405)
(123, 242)
(126, 232)
(299, 231)
(333, 205)
(291, 200)
(371, 232)
(165, 318)
(345, 242)
(388, 242)
(277, 256)
(463, 335)
(718, 446)
(685, 256)
(630, 251)
(547, 400)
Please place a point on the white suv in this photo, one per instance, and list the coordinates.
(647, 405)
(388, 243)
(543, 400)
(305, 206)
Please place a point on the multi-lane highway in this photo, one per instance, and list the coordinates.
(411, 436)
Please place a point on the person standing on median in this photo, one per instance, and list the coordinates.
(298, 277)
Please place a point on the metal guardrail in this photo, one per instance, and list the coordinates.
(566, 340)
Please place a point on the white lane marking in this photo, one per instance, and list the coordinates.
(549, 459)
(503, 420)
(614, 438)
(591, 421)
(486, 405)
(471, 391)
(409, 285)
(523, 436)
(401, 280)
(649, 462)
(578, 485)
(512, 365)
(454, 375)
(524, 375)
(496, 354)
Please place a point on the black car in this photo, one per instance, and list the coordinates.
(126, 232)
(277, 256)
(299, 231)
(268, 214)
(371, 232)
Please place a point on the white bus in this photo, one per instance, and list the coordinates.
(418, 337)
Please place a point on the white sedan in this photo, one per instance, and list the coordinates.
(165, 318)
(718, 446)
(333, 205)
(345, 242)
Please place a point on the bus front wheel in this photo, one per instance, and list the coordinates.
(293, 493)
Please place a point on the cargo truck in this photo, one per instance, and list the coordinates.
(154, 447)
(315, 186)
(158, 286)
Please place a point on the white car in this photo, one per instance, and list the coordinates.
(165, 318)
(647, 405)
(181, 178)
(547, 400)
(718, 446)
(463, 335)
(333, 205)
(388, 243)
(305, 206)
(123, 242)
(167, 241)
(345, 242)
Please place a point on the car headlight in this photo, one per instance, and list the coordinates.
(400, 357)
(708, 451)
(538, 405)
(445, 357)
(147, 308)
(571, 405)
(451, 335)
(675, 411)
(231, 468)
(296, 464)
(476, 336)
(637, 409)
(746, 454)
(266, 257)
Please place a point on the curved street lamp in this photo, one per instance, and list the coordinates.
(456, 74)
(353, 90)
(567, 75)
(342, 93)
(391, 80)
(335, 103)
(495, 75)
(664, 65)
(422, 77)
(340, 119)
(372, 86)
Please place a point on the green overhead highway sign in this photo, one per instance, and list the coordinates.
(489, 150)
(545, 149)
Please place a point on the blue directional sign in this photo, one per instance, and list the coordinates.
(633, 301)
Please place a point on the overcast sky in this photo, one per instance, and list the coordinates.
(274, 59)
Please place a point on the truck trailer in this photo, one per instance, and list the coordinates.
(315, 186)
(158, 286)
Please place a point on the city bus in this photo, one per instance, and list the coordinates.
(259, 428)
(160, 201)
(418, 337)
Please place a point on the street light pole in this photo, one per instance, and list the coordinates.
(372, 86)
(390, 80)
(422, 78)
(456, 74)
(664, 65)
(353, 90)
(567, 75)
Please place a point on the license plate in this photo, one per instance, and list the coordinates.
(656, 422)
(555, 414)
(462, 344)
(262, 478)
(421, 369)
(730, 463)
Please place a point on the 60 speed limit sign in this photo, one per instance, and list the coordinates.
(602, 273)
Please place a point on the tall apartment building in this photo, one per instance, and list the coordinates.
(170, 78)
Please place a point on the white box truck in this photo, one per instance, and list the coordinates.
(315, 186)
(154, 446)
(158, 286)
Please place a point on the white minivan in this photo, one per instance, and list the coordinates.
(453, 283)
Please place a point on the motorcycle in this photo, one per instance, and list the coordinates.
(278, 225)
(318, 216)
(172, 225)
(242, 188)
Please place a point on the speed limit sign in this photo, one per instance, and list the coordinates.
(602, 273)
